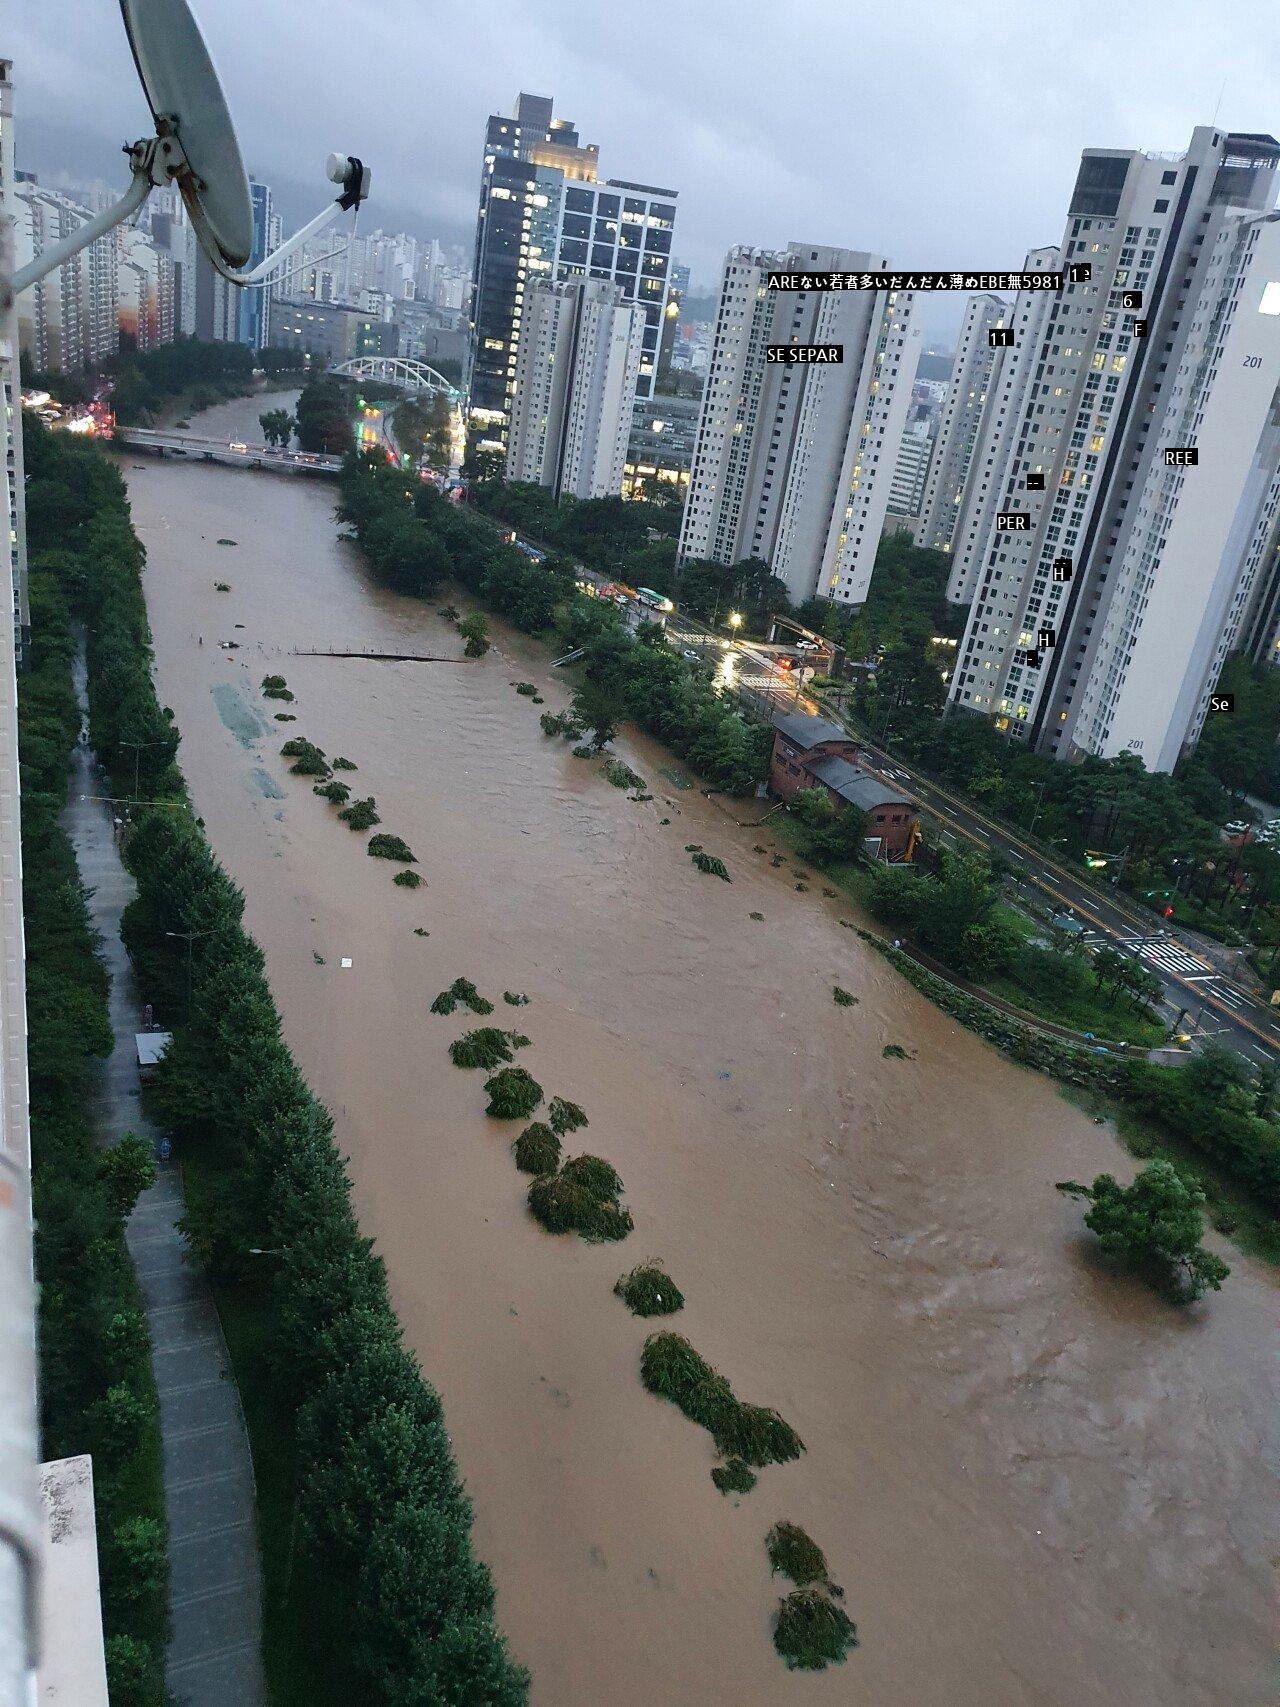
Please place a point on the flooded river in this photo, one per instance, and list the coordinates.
(1036, 1482)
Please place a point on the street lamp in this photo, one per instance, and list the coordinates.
(189, 938)
(735, 620)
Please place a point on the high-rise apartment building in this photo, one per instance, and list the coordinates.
(1139, 495)
(575, 386)
(145, 297)
(911, 471)
(69, 319)
(962, 413)
(544, 213)
(794, 461)
(988, 467)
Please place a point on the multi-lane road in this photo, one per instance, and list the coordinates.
(1201, 997)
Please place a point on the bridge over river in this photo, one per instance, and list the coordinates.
(236, 453)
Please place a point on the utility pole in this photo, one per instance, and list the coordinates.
(189, 938)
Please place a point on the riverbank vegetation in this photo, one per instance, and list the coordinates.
(462, 992)
(672, 1369)
(488, 1047)
(795, 1554)
(648, 1290)
(582, 1198)
(322, 417)
(513, 1094)
(415, 540)
(97, 1392)
(811, 1631)
(537, 1149)
(371, 1588)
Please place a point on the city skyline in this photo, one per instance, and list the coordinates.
(805, 170)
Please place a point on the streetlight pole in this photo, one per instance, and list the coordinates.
(137, 759)
(189, 938)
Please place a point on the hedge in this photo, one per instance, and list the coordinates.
(97, 1393)
(383, 1522)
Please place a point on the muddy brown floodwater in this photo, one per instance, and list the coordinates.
(1036, 1482)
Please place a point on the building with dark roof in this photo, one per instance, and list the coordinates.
(809, 752)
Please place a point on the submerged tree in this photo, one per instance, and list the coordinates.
(1155, 1223)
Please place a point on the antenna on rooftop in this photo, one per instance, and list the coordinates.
(194, 147)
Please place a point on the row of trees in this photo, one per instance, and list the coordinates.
(383, 1524)
(97, 1394)
(415, 539)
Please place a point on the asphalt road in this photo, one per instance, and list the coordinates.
(1213, 1003)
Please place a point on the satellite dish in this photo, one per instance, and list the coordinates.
(186, 100)
(195, 148)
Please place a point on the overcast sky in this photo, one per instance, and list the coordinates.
(941, 135)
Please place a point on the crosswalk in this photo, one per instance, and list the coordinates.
(1167, 955)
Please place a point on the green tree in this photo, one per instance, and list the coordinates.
(1155, 1223)
(475, 631)
(126, 1170)
(831, 833)
(278, 427)
(596, 709)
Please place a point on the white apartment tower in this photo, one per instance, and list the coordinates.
(794, 463)
(962, 415)
(1117, 575)
(911, 471)
(68, 319)
(988, 468)
(575, 380)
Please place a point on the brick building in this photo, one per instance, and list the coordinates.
(809, 752)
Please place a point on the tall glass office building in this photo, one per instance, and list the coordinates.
(544, 213)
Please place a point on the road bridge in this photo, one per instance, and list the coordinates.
(235, 453)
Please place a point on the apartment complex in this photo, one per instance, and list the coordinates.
(575, 382)
(962, 414)
(911, 470)
(795, 460)
(660, 449)
(1007, 381)
(544, 213)
(68, 319)
(145, 302)
(1133, 533)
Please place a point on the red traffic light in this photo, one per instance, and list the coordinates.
(1168, 912)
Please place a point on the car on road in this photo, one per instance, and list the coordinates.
(692, 656)
(807, 646)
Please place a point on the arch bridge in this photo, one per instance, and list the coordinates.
(415, 378)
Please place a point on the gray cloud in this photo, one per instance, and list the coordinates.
(937, 134)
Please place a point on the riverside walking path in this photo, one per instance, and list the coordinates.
(215, 1648)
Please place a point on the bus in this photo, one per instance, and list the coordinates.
(655, 601)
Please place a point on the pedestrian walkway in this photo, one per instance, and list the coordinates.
(214, 1657)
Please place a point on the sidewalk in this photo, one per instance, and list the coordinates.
(214, 1657)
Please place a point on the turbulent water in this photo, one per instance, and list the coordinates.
(1037, 1483)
